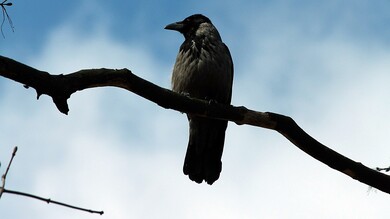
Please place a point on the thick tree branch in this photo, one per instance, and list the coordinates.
(60, 87)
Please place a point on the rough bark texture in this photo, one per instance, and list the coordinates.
(61, 87)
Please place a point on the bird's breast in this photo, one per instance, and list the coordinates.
(203, 69)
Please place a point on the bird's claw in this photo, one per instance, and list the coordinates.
(185, 94)
(211, 101)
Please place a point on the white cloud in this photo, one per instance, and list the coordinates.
(119, 153)
(84, 158)
(335, 87)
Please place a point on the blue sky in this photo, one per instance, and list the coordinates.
(324, 63)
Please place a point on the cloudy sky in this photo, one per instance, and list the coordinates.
(324, 63)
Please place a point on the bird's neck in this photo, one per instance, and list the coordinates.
(205, 30)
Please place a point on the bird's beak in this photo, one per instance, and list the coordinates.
(178, 26)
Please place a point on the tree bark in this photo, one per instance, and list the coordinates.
(61, 87)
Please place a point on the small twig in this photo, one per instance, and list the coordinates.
(4, 190)
(3, 178)
(10, 162)
(5, 15)
(48, 201)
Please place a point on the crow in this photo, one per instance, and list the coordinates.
(203, 70)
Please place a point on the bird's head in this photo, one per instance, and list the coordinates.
(194, 25)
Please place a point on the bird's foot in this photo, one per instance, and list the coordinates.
(185, 94)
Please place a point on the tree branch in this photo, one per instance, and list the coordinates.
(4, 177)
(6, 16)
(61, 87)
(47, 200)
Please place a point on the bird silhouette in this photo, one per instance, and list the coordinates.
(204, 70)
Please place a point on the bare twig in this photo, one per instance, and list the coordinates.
(10, 162)
(3, 178)
(48, 201)
(4, 190)
(6, 16)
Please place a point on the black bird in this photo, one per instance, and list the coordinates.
(204, 70)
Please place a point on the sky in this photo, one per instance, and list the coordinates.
(324, 63)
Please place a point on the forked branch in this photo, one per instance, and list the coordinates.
(6, 16)
(47, 200)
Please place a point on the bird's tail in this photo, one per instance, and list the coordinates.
(205, 147)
